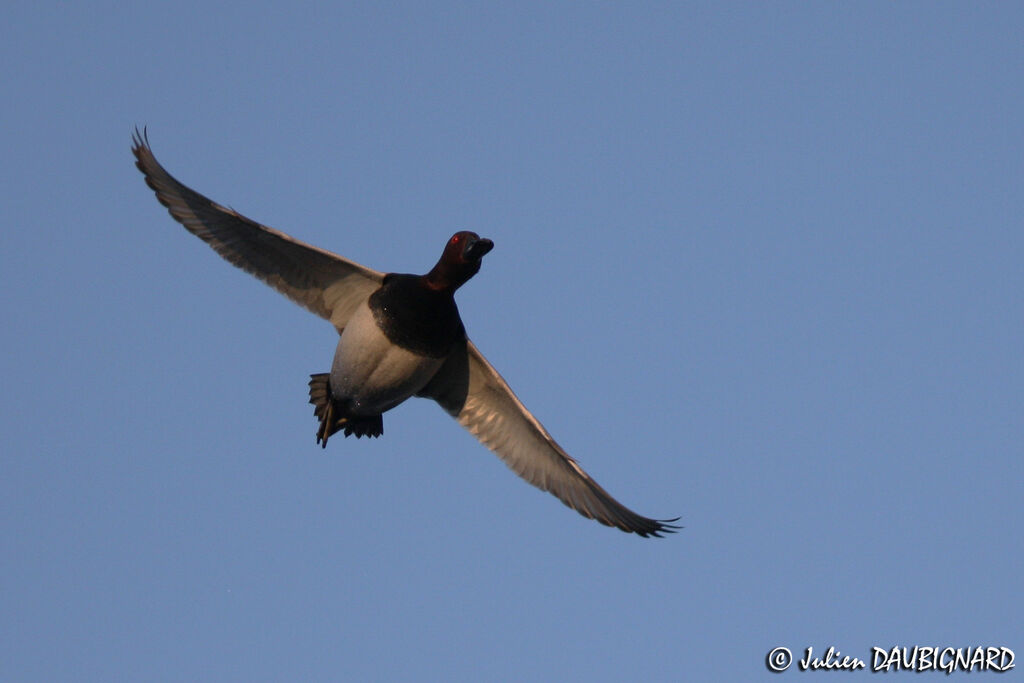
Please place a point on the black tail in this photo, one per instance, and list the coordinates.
(331, 417)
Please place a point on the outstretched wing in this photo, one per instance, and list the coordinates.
(327, 284)
(473, 392)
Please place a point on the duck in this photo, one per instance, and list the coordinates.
(400, 336)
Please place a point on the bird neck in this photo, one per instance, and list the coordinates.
(450, 276)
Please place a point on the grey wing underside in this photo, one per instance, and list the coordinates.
(472, 391)
(326, 284)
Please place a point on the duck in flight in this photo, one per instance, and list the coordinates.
(400, 336)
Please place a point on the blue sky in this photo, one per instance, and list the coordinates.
(757, 266)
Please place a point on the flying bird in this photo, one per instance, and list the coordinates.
(400, 336)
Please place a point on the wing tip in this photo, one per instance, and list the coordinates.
(144, 159)
(655, 528)
(140, 140)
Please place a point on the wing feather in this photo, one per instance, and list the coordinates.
(326, 284)
(472, 391)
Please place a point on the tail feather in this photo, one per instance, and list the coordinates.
(332, 419)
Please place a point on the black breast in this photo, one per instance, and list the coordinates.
(416, 317)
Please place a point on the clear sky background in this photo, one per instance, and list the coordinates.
(758, 266)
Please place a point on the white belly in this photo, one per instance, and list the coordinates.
(370, 373)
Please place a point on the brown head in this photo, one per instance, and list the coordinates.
(459, 261)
